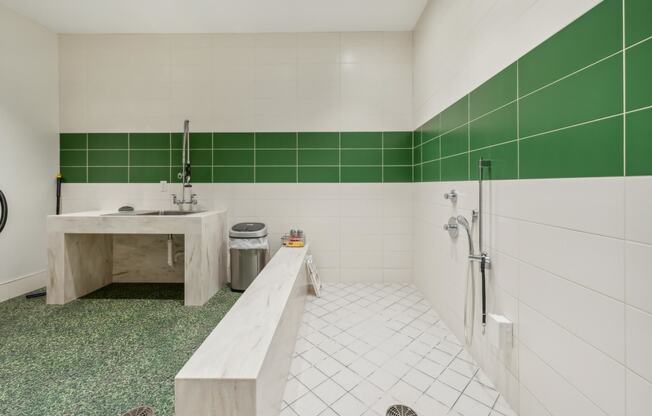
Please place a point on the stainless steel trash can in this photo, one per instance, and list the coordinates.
(249, 251)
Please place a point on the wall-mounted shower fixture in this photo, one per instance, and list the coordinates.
(452, 228)
(452, 195)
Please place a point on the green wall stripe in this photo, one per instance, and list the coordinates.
(583, 109)
(244, 157)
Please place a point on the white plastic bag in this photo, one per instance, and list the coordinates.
(249, 243)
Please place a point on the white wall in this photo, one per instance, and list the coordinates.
(240, 82)
(357, 232)
(257, 82)
(569, 255)
(458, 45)
(29, 126)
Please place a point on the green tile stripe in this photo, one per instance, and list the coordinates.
(577, 105)
(239, 157)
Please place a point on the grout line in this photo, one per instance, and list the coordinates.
(572, 126)
(518, 122)
(571, 74)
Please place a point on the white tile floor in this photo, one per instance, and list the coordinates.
(364, 347)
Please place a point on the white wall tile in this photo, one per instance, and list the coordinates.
(639, 392)
(593, 373)
(638, 283)
(639, 342)
(552, 393)
(596, 262)
(594, 317)
(237, 82)
(638, 207)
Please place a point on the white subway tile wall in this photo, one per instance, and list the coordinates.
(236, 82)
(358, 232)
(570, 269)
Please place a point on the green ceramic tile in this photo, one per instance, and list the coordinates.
(397, 157)
(430, 150)
(455, 115)
(199, 174)
(455, 141)
(72, 158)
(496, 92)
(418, 137)
(638, 18)
(73, 175)
(230, 157)
(108, 174)
(276, 157)
(417, 154)
(431, 171)
(432, 128)
(361, 157)
(397, 174)
(350, 174)
(397, 139)
(233, 140)
(72, 141)
(319, 140)
(323, 174)
(595, 35)
(416, 173)
(108, 158)
(278, 174)
(589, 150)
(590, 94)
(494, 128)
(276, 140)
(362, 140)
(149, 140)
(319, 157)
(197, 140)
(639, 75)
(198, 157)
(504, 161)
(149, 174)
(233, 174)
(455, 168)
(639, 143)
(108, 141)
(149, 158)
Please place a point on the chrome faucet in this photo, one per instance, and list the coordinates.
(188, 198)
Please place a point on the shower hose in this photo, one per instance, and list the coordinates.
(469, 301)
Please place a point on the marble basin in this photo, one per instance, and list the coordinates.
(150, 213)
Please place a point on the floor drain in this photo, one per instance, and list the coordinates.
(140, 411)
(400, 410)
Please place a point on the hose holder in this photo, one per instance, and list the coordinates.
(4, 211)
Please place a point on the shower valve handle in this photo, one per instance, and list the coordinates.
(452, 195)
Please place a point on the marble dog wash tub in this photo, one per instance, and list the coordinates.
(80, 251)
(242, 367)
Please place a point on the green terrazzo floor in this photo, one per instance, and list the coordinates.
(103, 354)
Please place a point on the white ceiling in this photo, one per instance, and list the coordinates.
(219, 16)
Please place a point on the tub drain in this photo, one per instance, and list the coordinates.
(140, 411)
(400, 410)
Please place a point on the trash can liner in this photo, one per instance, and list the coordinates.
(249, 243)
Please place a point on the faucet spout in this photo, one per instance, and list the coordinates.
(187, 197)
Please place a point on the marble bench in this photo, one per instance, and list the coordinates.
(242, 366)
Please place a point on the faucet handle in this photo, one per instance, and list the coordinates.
(452, 195)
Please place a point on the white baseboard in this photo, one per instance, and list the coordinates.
(22, 285)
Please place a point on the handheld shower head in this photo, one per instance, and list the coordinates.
(465, 224)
